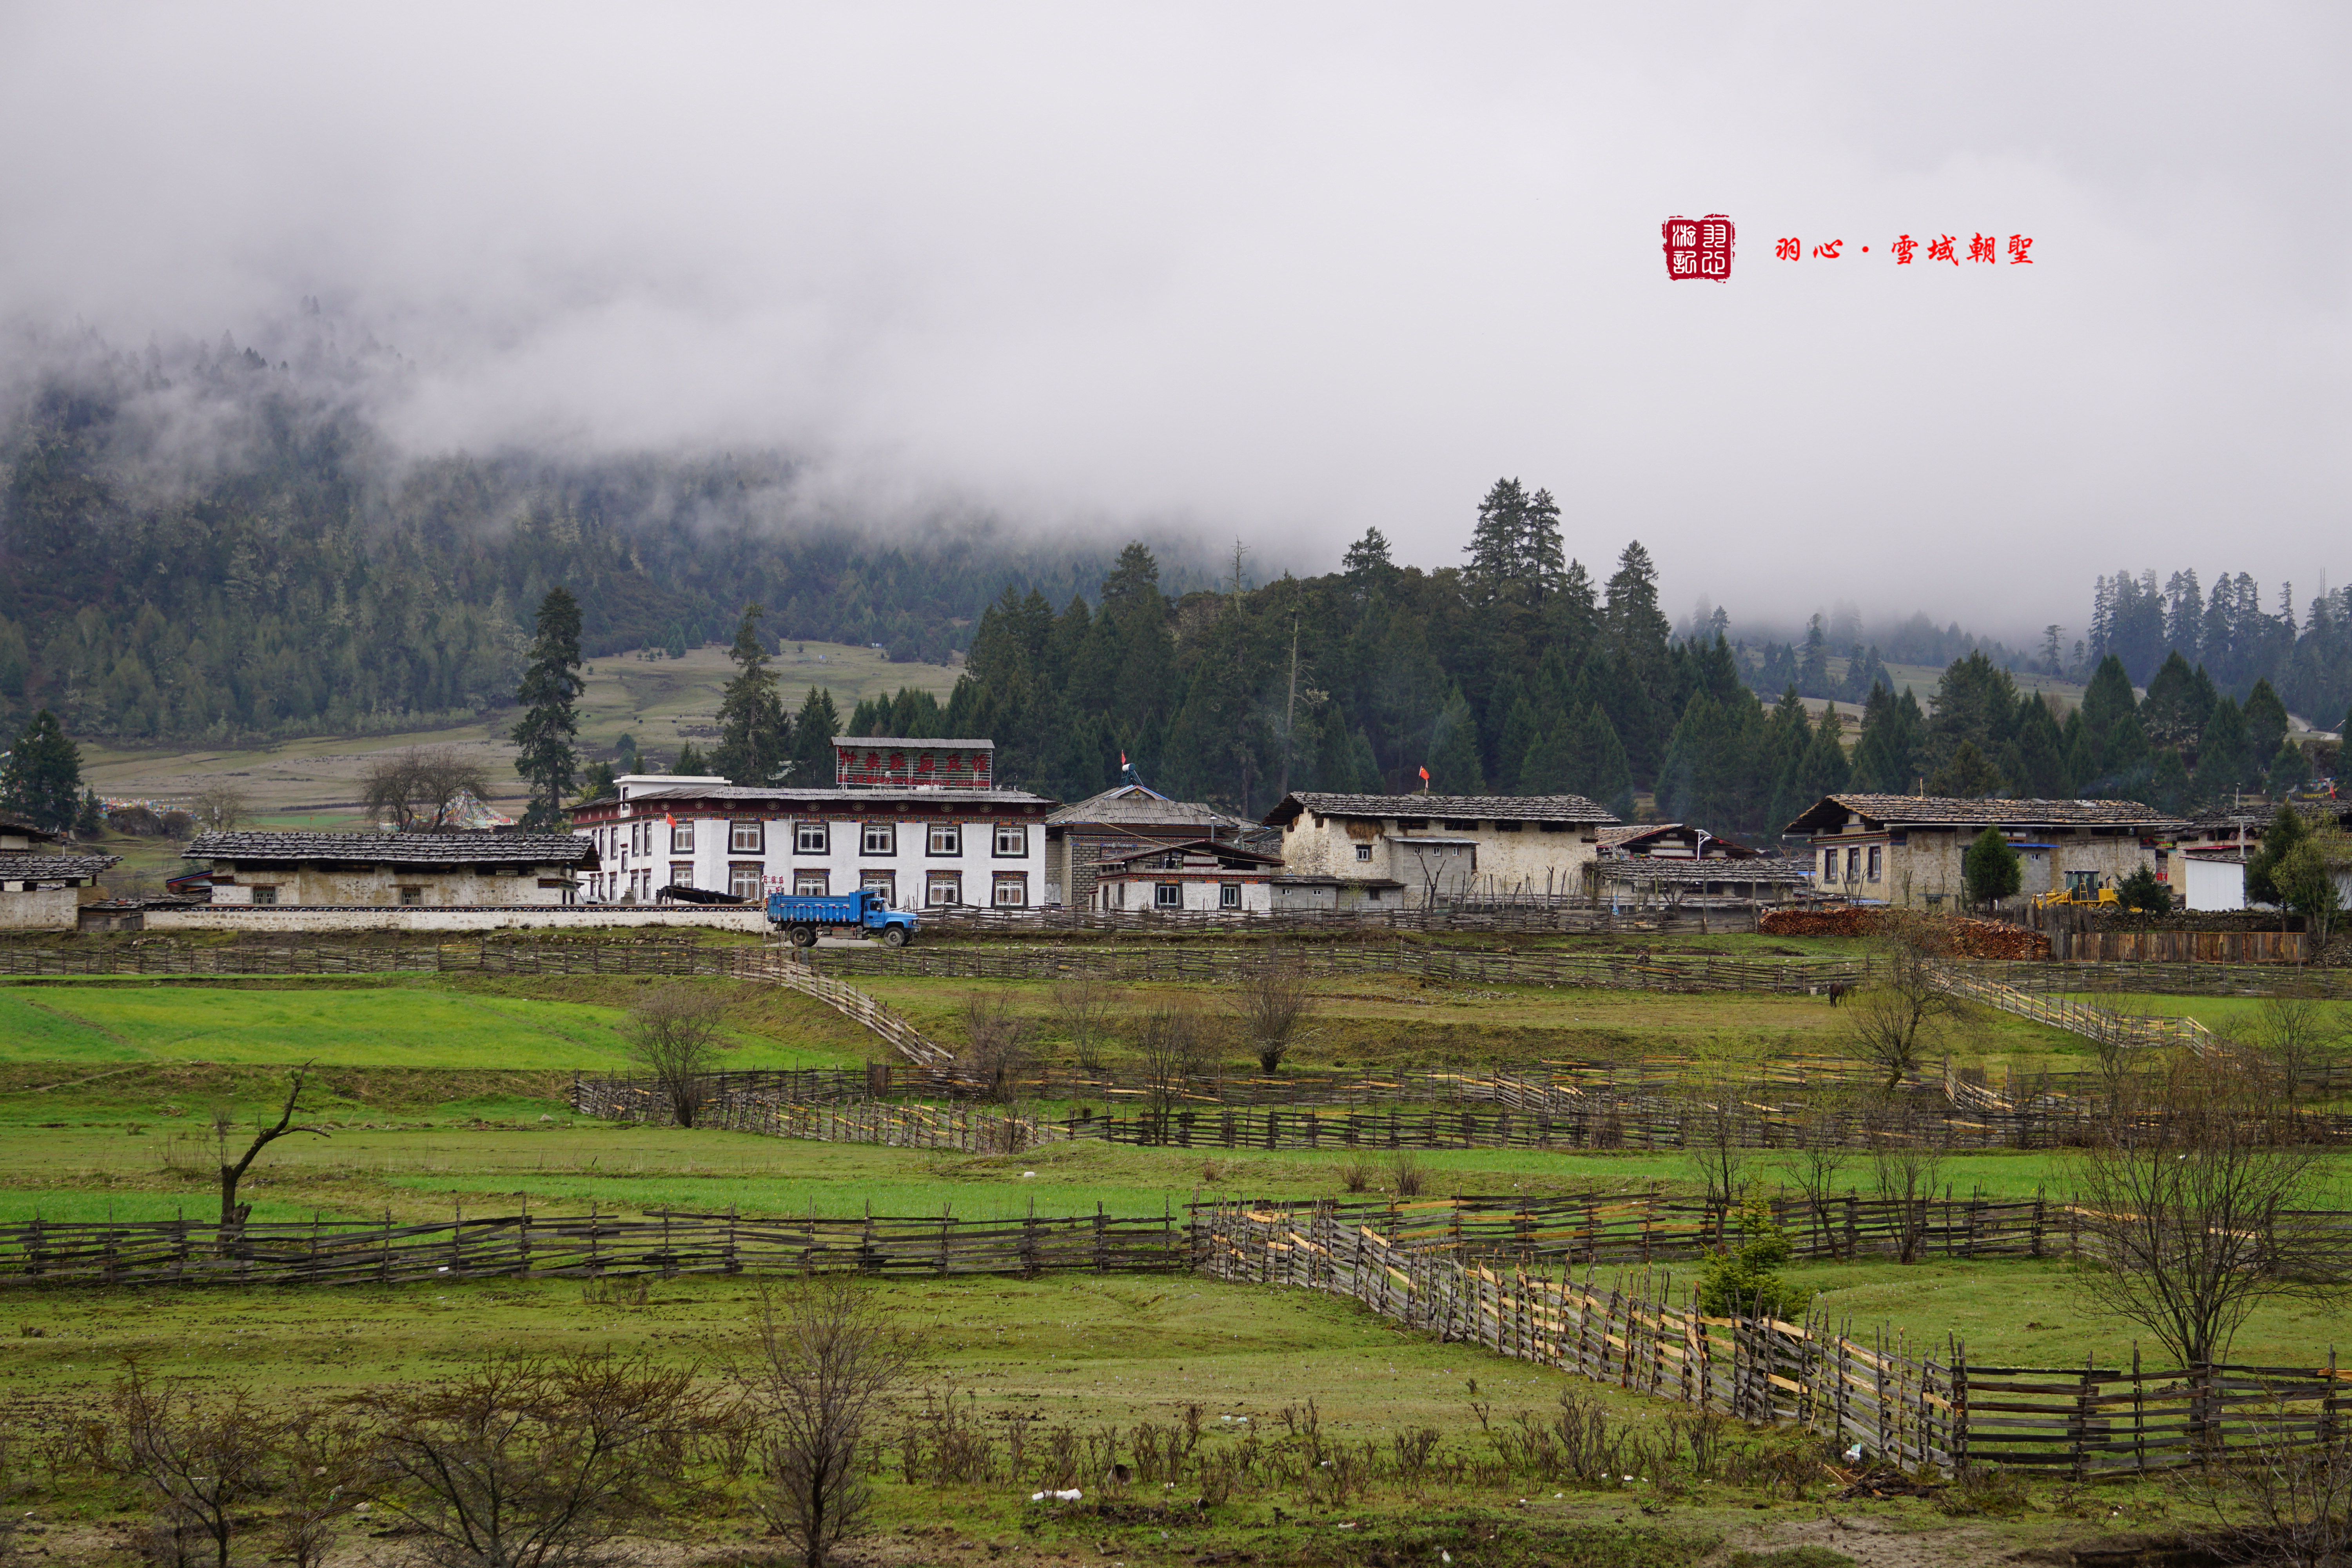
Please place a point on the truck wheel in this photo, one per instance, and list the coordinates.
(893, 936)
(801, 936)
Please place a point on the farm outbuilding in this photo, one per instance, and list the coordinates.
(43, 886)
(399, 870)
(1206, 876)
(1438, 849)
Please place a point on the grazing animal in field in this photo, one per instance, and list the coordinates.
(1838, 988)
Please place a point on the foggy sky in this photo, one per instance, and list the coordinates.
(1289, 272)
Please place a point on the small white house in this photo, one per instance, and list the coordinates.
(2213, 878)
(41, 887)
(1206, 876)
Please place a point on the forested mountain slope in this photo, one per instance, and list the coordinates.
(211, 544)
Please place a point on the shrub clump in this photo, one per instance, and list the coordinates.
(1745, 1279)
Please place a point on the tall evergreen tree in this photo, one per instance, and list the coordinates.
(547, 737)
(1602, 773)
(1521, 730)
(2221, 750)
(1495, 540)
(1453, 766)
(42, 779)
(2265, 724)
(754, 735)
(813, 729)
(1886, 750)
(1825, 770)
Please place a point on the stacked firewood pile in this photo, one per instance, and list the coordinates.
(1968, 938)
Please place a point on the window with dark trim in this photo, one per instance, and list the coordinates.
(808, 883)
(878, 839)
(811, 838)
(744, 880)
(747, 835)
(265, 895)
(943, 888)
(1229, 895)
(1011, 839)
(1012, 890)
(945, 838)
(1168, 895)
(681, 837)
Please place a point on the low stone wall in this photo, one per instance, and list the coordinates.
(43, 909)
(291, 918)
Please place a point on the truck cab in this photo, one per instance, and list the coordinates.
(801, 918)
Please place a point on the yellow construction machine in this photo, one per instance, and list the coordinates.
(2082, 890)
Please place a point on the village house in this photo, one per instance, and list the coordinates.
(1666, 863)
(1351, 851)
(1206, 876)
(2216, 844)
(948, 839)
(1119, 821)
(398, 870)
(1908, 849)
(42, 887)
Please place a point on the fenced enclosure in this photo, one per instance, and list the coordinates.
(593, 1245)
(1919, 1411)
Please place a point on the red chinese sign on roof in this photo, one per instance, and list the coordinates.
(1698, 247)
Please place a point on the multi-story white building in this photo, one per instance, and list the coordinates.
(921, 845)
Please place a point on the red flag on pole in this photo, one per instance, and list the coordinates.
(1425, 781)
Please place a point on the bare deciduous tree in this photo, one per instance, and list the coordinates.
(1814, 1165)
(220, 808)
(321, 1461)
(2282, 1494)
(417, 789)
(232, 1172)
(1892, 1022)
(2190, 1204)
(535, 1462)
(996, 1050)
(1906, 1167)
(1272, 1001)
(201, 1460)
(1084, 1008)
(1171, 1049)
(829, 1360)
(2298, 1037)
(673, 1034)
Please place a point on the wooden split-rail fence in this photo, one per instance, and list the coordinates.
(1203, 961)
(776, 966)
(2132, 1031)
(972, 1128)
(352, 1252)
(1918, 1411)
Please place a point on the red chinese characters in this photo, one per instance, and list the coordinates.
(1789, 249)
(1698, 247)
(1981, 249)
(1828, 249)
(2017, 248)
(1904, 245)
(1942, 251)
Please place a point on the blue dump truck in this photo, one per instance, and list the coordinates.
(802, 919)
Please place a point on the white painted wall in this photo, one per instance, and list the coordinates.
(43, 909)
(2212, 884)
(1200, 893)
(642, 852)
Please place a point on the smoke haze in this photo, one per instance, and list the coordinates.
(1285, 272)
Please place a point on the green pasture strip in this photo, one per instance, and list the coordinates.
(411, 1027)
(2243, 1013)
(2036, 1312)
(199, 1205)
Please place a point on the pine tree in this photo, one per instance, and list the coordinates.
(42, 779)
(546, 740)
(1495, 547)
(2265, 724)
(2221, 753)
(1453, 767)
(754, 736)
(813, 730)
(1823, 770)
(1607, 778)
(1521, 731)
(690, 761)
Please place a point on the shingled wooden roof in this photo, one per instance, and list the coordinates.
(16, 868)
(1459, 808)
(1828, 814)
(395, 848)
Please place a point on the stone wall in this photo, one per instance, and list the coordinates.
(43, 909)
(575, 917)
